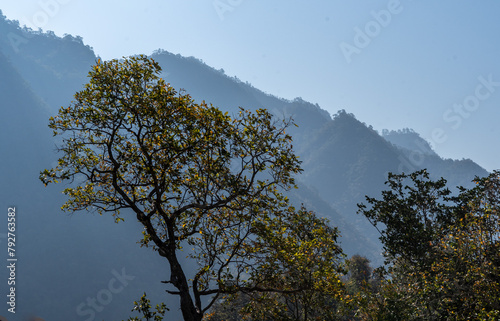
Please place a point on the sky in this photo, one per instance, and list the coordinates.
(433, 66)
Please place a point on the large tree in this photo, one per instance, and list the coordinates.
(192, 175)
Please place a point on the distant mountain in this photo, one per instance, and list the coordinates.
(54, 67)
(62, 260)
(228, 93)
(347, 160)
(352, 232)
(24, 137)
(69, 259)
(419, 154)
(408, 139)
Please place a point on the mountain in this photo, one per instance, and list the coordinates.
(54, 67)
(347, 160)
(419, 154)
(62, 261)
(408, 139)
(229, 93)
(67, 261)
(24, 136)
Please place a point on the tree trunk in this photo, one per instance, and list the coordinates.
(178, 279)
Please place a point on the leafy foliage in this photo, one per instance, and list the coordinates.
(144, 306)
(410, 212)
(443, 251)
(304, 269)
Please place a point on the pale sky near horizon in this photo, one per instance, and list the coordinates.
(433, 66)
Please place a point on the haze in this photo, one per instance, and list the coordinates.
(427, 65)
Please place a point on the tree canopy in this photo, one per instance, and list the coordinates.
(195, 178)
(442, 251)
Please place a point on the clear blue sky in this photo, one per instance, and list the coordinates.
(433, 66)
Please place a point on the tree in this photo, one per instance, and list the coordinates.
(359, 273)
(442, 251)
(192, 175)
(414, 208)
(144, 306)
(362, 284)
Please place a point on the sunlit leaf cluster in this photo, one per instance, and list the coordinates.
(297, 265)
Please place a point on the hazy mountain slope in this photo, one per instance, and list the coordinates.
(205, 83)
(419, 154)
(408, 139)
(24, 136)
(54, 67)
(62, 260)
(351, 232)
(346, 160)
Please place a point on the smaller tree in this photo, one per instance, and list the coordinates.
(413, 208)
(362, 284)
(466, 273)
(451, 268)
(359, 273)
(144, 306)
